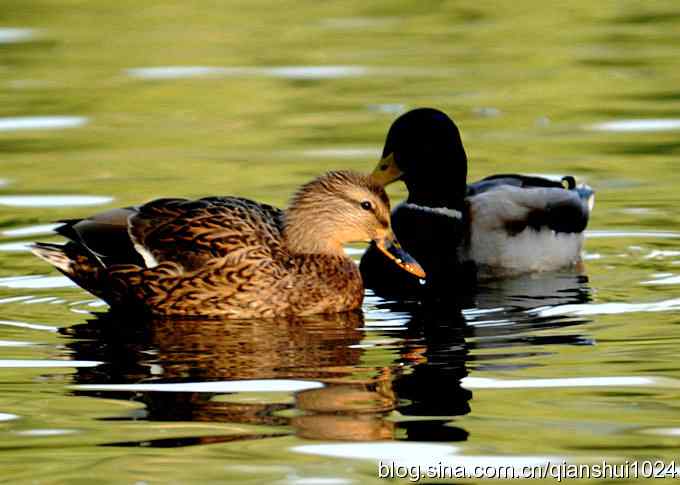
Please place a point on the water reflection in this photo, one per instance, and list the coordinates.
(507, 324)
(357, 401)
(328, 377)
(532, 291)
(437, 353)
(316, 349)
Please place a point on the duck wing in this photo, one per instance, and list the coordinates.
(516, 202)
(525, 181)
(104, 236)
(190, 233)
(195, 232)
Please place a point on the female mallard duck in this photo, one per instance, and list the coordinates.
(501, 226)
(230, 257)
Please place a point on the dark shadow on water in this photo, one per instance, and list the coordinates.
(506, 314)
(407, 390)
(531, 291)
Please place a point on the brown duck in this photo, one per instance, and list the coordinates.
(231, 257)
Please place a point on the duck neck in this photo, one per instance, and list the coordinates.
(310, 234)
(436, 193)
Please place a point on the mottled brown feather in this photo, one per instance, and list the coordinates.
(194, 232)
(230, 257)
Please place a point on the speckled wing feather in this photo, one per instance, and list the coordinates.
(221, 257)
(194, 232)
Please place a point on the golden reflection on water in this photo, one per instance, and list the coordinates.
(355, 403)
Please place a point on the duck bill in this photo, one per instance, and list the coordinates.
(393, 250)
(386, 171)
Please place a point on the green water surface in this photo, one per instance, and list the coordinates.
(143, 99)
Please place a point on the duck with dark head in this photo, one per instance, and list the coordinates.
(501, 226)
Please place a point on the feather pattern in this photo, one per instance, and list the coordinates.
(227, 257)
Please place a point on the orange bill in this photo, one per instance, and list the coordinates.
(393, 250)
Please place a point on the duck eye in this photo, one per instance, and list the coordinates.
(366, 205)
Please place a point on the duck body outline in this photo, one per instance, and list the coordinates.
(231, 257)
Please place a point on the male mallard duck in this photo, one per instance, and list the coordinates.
(231, 257)
(501, 226)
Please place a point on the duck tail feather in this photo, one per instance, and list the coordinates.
(75, 261)
(55, 254)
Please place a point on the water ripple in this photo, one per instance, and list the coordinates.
(41, 122)
(607, 308)
(282, 72)
(380, 450)
(15, 343)
(423, 456)
(45, 432)
(255, 385)
(669, 280)
(616, 381)
(30, 326)
(36, 282)
(30, 230)
(342, 152)
(15, 35)
(638, 125)
(16, 246)
(286, 72)
(53, 200)
(639, 234)
(31, 363)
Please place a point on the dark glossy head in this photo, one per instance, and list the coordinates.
(423, 148)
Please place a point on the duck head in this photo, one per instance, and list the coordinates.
(340, 208)
(424, 149)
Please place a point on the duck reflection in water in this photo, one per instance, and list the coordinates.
(367, 393)
(397, 382)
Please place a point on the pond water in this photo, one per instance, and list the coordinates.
(109, 104)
